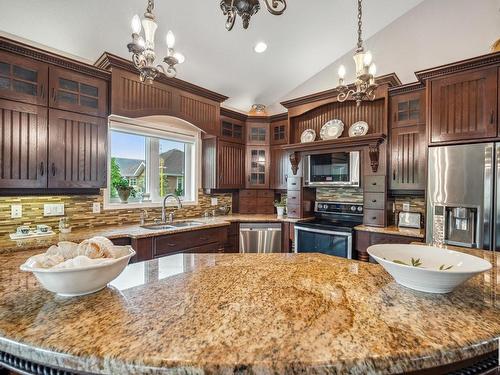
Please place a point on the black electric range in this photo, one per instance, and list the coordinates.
(331, 231)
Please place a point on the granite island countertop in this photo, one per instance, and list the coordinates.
(130, 230)
(248, 313)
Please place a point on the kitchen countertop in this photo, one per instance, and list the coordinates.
(248, 313)
(394, 230)
(128, 230)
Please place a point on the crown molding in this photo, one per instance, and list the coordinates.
(407, 88)
(44, 56)
(459, 66)
(391, 80)
(233, 114)
(109, 61)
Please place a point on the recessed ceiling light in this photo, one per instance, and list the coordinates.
(260, 47)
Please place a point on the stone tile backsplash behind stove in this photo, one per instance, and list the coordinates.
(339, 194)
(79, 210)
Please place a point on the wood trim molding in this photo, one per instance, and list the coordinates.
(279, 117)
(35, 53)
(390, 79)
(108, 61)
(459, 66)
(233, 114)
(407, 88)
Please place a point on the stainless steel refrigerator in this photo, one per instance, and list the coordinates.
(463, 195)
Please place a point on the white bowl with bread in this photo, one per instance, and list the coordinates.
(71, 269)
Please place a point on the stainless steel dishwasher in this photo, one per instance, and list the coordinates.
(260, 238)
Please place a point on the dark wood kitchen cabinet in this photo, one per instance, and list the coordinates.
(279, 132)
(23, 145)
(223, 164)
(280, 168)
(408, 142)
(23, 79)
(75, 92)
(232, 130)
(363, 240)
(257, 133)
(257, 167)
(463, 106)
(76, 151)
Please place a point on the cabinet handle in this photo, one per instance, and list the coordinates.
(394, 175)
(248, 178)
(374, 218)
(42, 91)
(492, 117)
(53, 94)
(374, 201)
(286, 178)
(42, 169)
(395, 117)
(374, 184)
(203, 239)
(171, 244)
(53, 169)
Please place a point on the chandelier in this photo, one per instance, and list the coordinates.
(247, 8)
(142, 48)
(365, 71)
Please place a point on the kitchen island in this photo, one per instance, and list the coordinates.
(249, 313)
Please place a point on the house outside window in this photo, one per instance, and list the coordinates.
(154, 160)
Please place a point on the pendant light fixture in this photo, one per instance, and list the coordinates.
(143, 48)
(365, 71)
(247, 8)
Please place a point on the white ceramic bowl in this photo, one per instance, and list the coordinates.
(426, 268)
(80, 281)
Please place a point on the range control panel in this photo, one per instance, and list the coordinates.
(339, 208)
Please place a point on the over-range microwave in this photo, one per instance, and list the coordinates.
(332, 169)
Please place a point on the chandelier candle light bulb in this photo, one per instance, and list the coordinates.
(136, 25)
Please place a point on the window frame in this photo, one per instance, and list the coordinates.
(163, 127)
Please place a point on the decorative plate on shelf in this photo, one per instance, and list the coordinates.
(358, 128)
(332, 130)
(309, 135)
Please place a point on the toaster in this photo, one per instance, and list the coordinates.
(409, 220)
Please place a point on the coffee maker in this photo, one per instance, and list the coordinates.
(455, 225)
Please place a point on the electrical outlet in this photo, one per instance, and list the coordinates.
(53, 209)
(16, 211)
(214, 201)
(96, 208)
(406, 206)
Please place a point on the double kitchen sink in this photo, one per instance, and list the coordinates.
(172, 226)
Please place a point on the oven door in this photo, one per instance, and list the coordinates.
(309, 240)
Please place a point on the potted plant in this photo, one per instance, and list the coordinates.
(123, 189)
(280, 207)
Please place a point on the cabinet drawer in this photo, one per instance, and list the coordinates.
(293, 197)
(293, 211)
(382, 238)
(248, 193)
(374, 201)
(375, 184)
(266, 210)
(294, 183)
(207, 249)
(248, 208)
(175, 243)
(265, 194)
(374, 217)
(124, 241)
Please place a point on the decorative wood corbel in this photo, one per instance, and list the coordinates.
(374, 153)
(295, 160)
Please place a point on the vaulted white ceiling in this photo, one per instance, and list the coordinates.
(302, 42)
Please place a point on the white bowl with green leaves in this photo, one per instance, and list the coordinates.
(427, 268)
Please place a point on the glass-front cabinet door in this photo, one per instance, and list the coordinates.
(258, 167)
(77, 92)
(23, 79)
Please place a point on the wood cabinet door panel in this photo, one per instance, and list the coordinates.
(23, 79)
(279, 132)
(280, 168)
(257, 161)
(408, 109)
(408, 158)
(77, 150)
(23, 145)
(257, 133)
(464, 106)
(230, 165)
(77, 92)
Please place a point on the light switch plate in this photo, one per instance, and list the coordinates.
(214, 201)
(96, 208)
(406, 206)
(16, 211)
(53, 209)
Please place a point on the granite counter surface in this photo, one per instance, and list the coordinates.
(128, 230)
(393, 230)
(249, 313)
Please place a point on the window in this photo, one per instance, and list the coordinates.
(152, 161)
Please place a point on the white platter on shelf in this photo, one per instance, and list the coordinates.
(308, 135)
(358, 128)
(333, 129)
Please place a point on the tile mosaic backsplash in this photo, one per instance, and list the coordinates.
(79, 210)
(339, 194)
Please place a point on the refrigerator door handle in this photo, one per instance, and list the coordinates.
(496, 217)
(488, 223)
